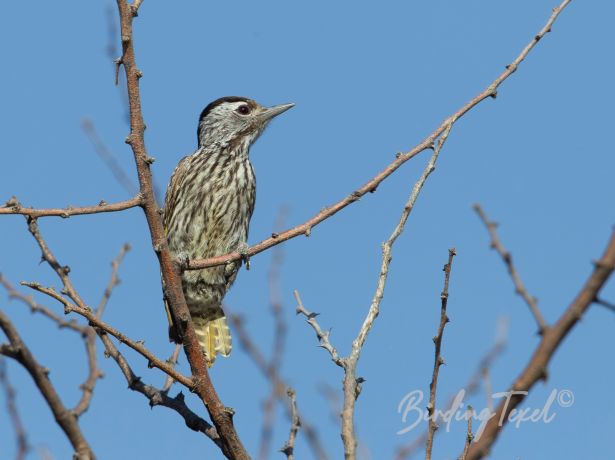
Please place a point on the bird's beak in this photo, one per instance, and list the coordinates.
(271, 112)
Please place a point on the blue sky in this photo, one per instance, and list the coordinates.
(368, 80)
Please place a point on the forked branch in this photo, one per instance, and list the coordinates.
(536, 368)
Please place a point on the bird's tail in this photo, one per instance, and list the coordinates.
(214, 337)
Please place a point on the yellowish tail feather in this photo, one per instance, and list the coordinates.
(214, 337)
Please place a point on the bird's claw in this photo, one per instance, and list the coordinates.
(243, 252)
(182, 260)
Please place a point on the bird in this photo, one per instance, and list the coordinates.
(207, 210)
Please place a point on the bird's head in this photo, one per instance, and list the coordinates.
(235, 119)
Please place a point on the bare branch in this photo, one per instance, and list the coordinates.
(438, 361)
(113, 281)
(35, 307)
(279, 340)
(470, 388)
(80, 307)
(94, 373)
(12, 206)
(159, 397)
(605, 304)
(520, 289)
(11, 406)
(94, 321)
(289, 447)
(401, 158)
(277, 383)
(170, 270)
(67, 421)
(323, 337)
(536, 368)
(172, 362)
(135, 7)
(155, 396)
(352, 383)
(469, 435)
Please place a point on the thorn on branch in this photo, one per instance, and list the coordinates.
(118, 63)
(134, 382)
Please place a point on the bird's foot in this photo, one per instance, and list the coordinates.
(242, 249)
(182, 260)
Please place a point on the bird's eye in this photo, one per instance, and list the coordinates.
(243, 109)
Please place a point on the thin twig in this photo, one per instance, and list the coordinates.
(94, 373)
(289, 446)
(469, 435)
(17, 349)
(155, 396)
(536, 368)
(12, 206)
(438, 361)
(79, 306)
(35, 307)
(279, 340)
(94, 321)
(401, 158)
(277, 383)
(351, 383)
(470, 388)
(135, 7)
(520, 289)
(114, 280)
(158, 397)
(605, 304)
(11, 406)
(322, 336)
(172, 362)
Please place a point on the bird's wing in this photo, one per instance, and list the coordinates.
(175, 183)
